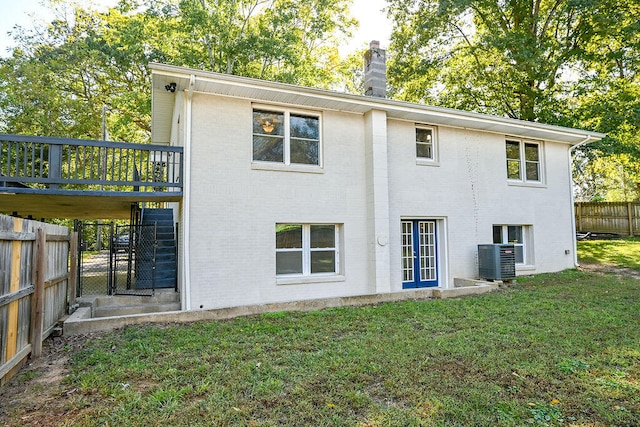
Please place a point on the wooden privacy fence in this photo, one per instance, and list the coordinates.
(35, 287)
(609, 217)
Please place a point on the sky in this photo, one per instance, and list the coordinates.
(373, 22)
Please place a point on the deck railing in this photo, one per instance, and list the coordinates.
(60, 164)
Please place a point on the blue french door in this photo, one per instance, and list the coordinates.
(419, 254)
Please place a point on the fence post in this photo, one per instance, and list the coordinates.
(72, 289)
(579, 211)
(630, 216)
(37, 302)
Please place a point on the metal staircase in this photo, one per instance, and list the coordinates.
(156, 250)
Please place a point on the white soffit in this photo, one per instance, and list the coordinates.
(280, 93)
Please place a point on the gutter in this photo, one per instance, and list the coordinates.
(186, 277)
(587, 140)
(276, 92)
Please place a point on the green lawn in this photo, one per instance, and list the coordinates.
(620, 253)
(551, 350)
(560, 349)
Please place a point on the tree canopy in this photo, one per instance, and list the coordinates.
(59, 77)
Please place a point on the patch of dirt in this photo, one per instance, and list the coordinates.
(610, 269)
(36, 395)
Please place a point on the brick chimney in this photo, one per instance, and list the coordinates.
(375, 71)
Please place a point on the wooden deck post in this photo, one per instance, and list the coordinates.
(37, 301)
(55, 165)
(72, 287)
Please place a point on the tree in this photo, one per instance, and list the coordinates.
(283, 40)
(606, 98)
(500, 57)
(60, 77)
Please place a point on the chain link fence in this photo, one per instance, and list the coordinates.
(93, 260)
(133, 260)
(116, 259)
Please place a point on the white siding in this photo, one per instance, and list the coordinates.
(469, 190)
(368, 187)
(234, 209)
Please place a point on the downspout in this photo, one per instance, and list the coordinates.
(588, 139)
(186, 188)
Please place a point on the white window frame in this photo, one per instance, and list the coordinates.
(526, 244)
(523, 162)
(307, 250)
(427, 161)
(286, 164)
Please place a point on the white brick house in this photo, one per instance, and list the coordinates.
(293, 193)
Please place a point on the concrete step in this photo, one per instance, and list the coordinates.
(461, 291)
(124, 300)
(125, 310)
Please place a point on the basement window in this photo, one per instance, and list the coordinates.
(520, 236)
(307, 249)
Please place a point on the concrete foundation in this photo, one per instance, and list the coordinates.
(82, 321)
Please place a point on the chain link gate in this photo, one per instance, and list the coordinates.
(133, 260)
(116, 259)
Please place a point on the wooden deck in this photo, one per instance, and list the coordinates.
(44, 177)
(79, 206)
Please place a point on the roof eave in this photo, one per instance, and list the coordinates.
(268, 91)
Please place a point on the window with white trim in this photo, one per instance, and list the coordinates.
(425, 143)
(517, 235)
(524, 160)
(286, 137)
(307, 249)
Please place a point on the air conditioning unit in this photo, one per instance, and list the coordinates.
(497, 262)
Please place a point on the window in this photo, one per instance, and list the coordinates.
(306, 249)
(286, 137)
(523, 161)
(425, 143)
(518, 236)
